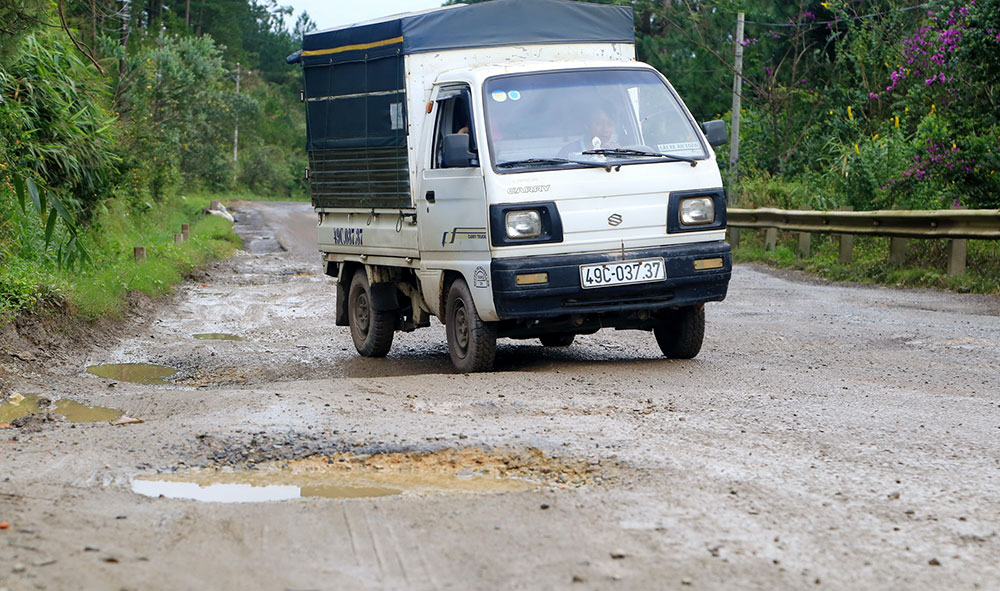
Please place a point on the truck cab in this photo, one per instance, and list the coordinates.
(527, 184)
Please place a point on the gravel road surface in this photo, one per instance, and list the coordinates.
(827, 437)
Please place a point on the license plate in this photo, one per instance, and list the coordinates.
(623, 273)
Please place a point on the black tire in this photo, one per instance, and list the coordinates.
(557, 340)
(371, 331)
(681, 332)
(472, 343)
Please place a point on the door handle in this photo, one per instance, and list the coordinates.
(429, 196)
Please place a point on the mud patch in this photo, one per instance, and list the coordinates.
(351, 474)
(136, 373)
(217, 376)
(217, 336)
(31, 404)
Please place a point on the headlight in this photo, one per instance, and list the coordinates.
(696, 211)
(524, 224)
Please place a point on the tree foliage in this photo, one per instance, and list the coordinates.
(106, 101)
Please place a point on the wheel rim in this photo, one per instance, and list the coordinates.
(461, 327)
(362, 315)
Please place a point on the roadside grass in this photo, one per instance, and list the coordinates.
(243, 196)
(101, 289)
(926, 262)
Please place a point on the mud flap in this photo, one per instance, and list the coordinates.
(341, 315)
(384, 297)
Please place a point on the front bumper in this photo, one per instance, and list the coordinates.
(564, 296)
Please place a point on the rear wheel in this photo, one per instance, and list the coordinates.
(371, 330)
(472, 343)
(557, 340)
(681, 332)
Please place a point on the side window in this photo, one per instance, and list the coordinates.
(454, 115)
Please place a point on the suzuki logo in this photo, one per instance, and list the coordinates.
(614, 219)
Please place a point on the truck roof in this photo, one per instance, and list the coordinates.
(488, 24)
(480, 73)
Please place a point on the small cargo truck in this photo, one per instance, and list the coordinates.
(510, 168)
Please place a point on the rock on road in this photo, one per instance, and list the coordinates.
(827, 436)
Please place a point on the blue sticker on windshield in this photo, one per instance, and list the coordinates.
(514, 95)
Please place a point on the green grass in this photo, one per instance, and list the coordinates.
(29, 281)
(925, 265)
(243, 196)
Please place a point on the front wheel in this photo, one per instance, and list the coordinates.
(472, 343)
(371, 330)
(681, 332)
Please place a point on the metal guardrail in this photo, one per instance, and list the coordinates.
(957, 225)
(978, 224)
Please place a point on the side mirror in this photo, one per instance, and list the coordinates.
(715, 132)
(456, 151)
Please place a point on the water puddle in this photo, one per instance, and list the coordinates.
(136, 373)
(75, 412)
(469, 471)
(217, 336)
(243, 492)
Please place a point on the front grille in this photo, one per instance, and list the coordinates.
(603, 300)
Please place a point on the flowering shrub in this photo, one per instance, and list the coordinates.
(948, 75)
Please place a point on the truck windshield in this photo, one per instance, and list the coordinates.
(586, 117)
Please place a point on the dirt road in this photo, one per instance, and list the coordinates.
(827, 436)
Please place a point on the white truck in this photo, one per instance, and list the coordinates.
(509, 168)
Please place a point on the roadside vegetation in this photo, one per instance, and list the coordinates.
(109, 116)
(109, 112)
(925, 266)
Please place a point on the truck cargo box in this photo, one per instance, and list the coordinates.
(356, 84)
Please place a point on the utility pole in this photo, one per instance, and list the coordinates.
(734, 138)
(236, 129)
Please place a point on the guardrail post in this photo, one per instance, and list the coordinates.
(770, 239)
(734, 237)
(897, 251)
(139, 254)
(805, 241)
(186, 230)
(846, 242)
(956, 256)
(178, 238)
(846, 248)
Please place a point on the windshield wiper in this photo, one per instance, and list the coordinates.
(548, 162)
(633, 152)
(531, 161)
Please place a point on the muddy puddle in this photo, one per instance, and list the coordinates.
(217, 336)
(29, 404)
(468, 471)
(136, 373)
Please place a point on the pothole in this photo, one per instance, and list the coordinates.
(22, 406)
(257, 242)
(217, 336)
(136, 373)
(350, 475)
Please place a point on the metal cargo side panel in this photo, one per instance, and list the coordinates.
(360, 178)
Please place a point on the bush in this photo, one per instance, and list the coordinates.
(53, 125)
